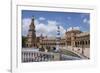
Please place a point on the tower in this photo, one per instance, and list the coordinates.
(72, 37)
(58, 38)
(31, 37)
(58, 33)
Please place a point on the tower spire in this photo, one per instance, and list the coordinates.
(31, 37)
(32, 26)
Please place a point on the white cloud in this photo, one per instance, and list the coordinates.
(41, 29)
(36, 22)
(52, 28)
(73, 28)
(25, 26)
(41, 18)
(52, 22)
(77, 28)
(86, 21)
(49, 29)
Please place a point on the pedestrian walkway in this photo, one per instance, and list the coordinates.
(79, 54)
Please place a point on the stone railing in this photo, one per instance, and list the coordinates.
(36, 56)
(78, 51)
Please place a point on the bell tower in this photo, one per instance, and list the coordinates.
(31, 37)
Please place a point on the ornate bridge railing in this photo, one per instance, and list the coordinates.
(36, 56)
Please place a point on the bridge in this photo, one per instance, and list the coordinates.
(77, 51)
(33, 55)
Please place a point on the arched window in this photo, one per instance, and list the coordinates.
(27, 45)
(86, 42)
(78, 42)
(83, 42)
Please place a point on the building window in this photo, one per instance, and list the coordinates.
(86, 42)
(78, 43)
(83, 42)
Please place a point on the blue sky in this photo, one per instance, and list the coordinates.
(49, 19)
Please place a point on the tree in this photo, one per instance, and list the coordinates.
(24, 39)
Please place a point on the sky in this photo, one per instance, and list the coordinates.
(46, 22)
